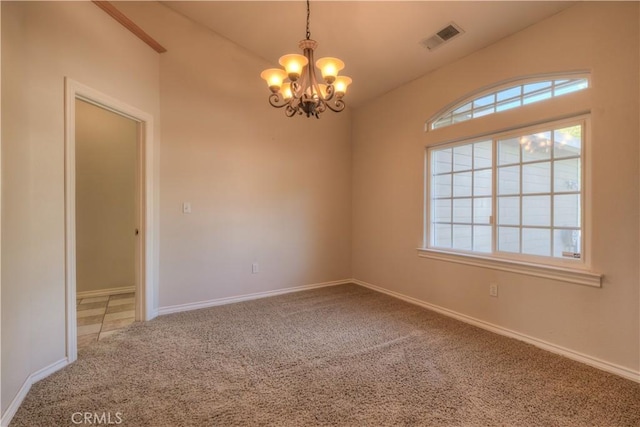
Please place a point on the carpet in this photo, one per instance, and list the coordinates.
(336, 356)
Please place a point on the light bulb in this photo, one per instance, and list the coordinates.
(341, 84)
(293, 64)
(274, 78)
(285, 90)
(329, 68)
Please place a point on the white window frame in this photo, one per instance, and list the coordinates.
(567, 270)
(552, 78)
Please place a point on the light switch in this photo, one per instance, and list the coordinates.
(186, 208)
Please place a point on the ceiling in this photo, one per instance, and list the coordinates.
(379, 41)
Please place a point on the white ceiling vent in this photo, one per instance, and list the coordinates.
(446, 34)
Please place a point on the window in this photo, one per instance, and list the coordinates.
(506, 97)
(516, 195)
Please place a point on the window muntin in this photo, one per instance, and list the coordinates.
(507, 97)
(532, 180)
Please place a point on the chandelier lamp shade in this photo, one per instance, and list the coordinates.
(297, 88)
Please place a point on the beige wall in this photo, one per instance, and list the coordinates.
(42, 42)
(106, 164)
(388, 168)
(263, 187)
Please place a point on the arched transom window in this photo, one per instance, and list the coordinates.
(507, 96)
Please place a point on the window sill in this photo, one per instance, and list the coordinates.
(571, 275)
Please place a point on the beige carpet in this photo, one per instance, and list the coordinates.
(343, 356)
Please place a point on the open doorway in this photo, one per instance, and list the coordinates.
(97, 273)
(106, 212)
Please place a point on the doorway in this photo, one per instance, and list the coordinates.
(106, 205)
(90, 274)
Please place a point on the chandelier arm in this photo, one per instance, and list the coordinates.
(276, 100)
(296, 89)
(290, 111)
(331, 91)
(338, 105)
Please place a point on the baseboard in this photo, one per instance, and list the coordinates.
(26, 386)
(105, 292)
(15, 403)
(553, 348)
(230, 300)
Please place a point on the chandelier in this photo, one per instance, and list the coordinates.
(302, 93)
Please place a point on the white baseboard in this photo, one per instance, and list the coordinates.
(553, 348)
(105, 292)
(26, 386)
(230, 300)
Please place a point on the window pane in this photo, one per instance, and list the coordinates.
(566, 175)
(509, 151)
(442, 161)
(462, 210)
(536, 241)
(566, 210)
(464, 108)
(462, 157)
(567, 142)
(482, 183)
(442, 185)
(441, 210)
(462, 184)
(536, 87)
(462, 117)
(568, 86)
(484, 101)
(509, 180)
(538, 182)
(482, 238)
(536, 146)
(481, 210)
(445, 121)
(509, 210)
(442, 235)
(482, 154)
(509, 93)
(536, 178)
(484, 111)
(462, 237)
(535, 97)
(505, 98)
(566, 244)
(507, 105)
(536, 210)
(509, 239)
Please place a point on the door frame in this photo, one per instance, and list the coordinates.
(145, 249)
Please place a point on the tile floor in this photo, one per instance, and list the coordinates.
(99, 317)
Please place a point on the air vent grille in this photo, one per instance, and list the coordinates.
(446, 34)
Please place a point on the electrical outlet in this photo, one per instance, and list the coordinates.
(186, 208)
(255, 268)
(493, 289)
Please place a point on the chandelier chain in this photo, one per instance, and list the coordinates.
(308, 17)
